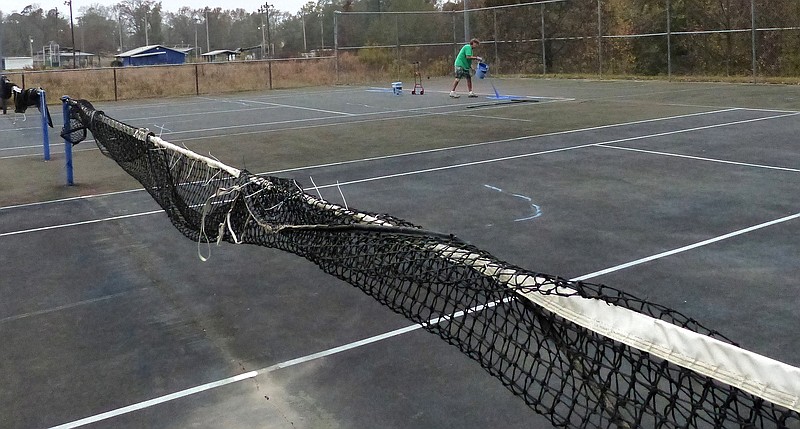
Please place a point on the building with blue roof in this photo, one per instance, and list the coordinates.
(152, 55)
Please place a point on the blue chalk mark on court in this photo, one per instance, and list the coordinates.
(536, 211)
(498, 96)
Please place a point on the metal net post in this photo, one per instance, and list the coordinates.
(45, 135)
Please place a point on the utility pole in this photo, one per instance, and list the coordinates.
(305, 45)
(146, 37)
(208, 41)
(263, 39)
(265, 10)
(72, 29)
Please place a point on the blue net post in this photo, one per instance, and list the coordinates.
(45, 134)
(67, 143)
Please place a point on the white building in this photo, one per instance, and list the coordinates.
(16, 63)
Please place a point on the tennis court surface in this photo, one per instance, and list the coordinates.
(682, 194)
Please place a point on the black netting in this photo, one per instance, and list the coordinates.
(576, 377)
(74, 131)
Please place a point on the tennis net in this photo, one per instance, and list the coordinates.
(584, 355)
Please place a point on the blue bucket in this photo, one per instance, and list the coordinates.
(483, 68)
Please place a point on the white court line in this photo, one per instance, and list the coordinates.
(156, 401)
(508, 140)
(65, 306)
(128, 104)
(8, 130)
(123, 106)
(701, 158)
(289, 106)
(544, 152)
(405, 114)
(204, 113)
(754, 109)
(433, 169)
(497, 118)
(364, 180)
(64, 200)
(207, 100)
(686, 248)
(52, 152)
(647, 94)
(396, 332)
(414, 115)
(35, 146)
(290, 121)
(86, 222)
(482, 144)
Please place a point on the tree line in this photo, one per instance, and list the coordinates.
(108, 30)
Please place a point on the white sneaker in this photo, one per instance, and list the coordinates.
(472, 95)
(454, 95)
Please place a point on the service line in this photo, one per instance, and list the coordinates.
(433, 169)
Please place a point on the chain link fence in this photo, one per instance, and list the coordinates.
(747, 40)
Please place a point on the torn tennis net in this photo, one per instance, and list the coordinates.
(582, 354)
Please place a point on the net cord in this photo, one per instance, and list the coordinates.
(751, 372)
(146, 136)
(213, 163)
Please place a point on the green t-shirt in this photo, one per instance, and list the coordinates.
(462, 60)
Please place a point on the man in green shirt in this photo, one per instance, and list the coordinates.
(463, 66)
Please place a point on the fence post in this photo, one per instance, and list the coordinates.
(397, 42)
(67, 142)
(669, 41)
(116, 95)
(336, 44)
(599, 41)
(544, 45)
(496, 59)
(269, 69)
(45, 135)
(455, 41)
(753, 36)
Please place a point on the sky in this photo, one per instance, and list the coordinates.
(292, 6)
